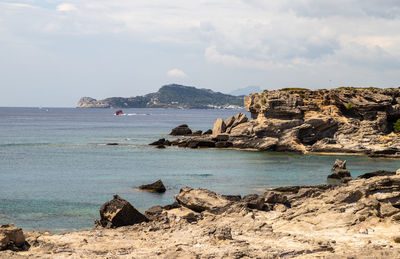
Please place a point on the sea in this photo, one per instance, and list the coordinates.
(56, 168)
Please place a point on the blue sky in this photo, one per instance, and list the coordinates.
(53, 52)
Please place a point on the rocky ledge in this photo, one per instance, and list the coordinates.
(348, 120)
(359, 219)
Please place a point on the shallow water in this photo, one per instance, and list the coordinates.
(56, 170)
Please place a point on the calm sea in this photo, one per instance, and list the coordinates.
(56, 171)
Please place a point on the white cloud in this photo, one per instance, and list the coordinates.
(176, 73)
(66, 7)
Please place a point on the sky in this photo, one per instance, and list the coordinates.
(54, 52)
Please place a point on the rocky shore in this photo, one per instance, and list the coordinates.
(348, 120)
(358, 219)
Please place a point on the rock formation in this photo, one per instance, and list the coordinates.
(12, 238)
(358, 219)
(181, 130)
(117, 213)
(348, 120)
(157, 186)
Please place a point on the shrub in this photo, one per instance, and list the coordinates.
(264, 101)
(258, 106)
(349, 106)
(396, 126)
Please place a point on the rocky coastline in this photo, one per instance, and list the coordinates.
(348, 120)
(356, 219)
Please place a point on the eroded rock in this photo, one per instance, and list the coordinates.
(157, 186)
(119, 212)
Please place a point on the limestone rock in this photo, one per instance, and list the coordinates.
(340, 174)
(119, 212)
(219, 127)
(339, 165)
(229, 121)
(157, 186)
(200, 200)
(181, 130)
(12, 238)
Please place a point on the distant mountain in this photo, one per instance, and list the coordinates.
(169, 96)
(246, 91)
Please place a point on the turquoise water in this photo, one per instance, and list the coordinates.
(56, 170)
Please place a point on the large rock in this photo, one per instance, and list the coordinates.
(375, 174)
(339, 164)
(200, 200)
(181, 130)
(12, 238)
(229, 121)
(219, 127)
(119, 212)
(157, 186)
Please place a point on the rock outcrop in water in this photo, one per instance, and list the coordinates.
(359, 219)
(157, 186)
(348, 120)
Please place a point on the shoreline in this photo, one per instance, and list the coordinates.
(356, 219)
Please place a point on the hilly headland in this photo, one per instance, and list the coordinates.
(169, 96)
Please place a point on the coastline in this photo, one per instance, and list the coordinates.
(357, 219)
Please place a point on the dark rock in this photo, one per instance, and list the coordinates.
(340, 174)
(339, 165)
(160, 146)
(12, 238)
(112, 144)
(153, 213)
(222, 137)
(232, 197)
(119, 212)
(376, 173)
(273, 197)
(197, 133)
(208, 132)
(161, 141)
(157, 186)
(181, 130)
(254, 201)
(223, 144)
(191, 143)
(174, 205)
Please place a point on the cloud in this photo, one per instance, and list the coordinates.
(176, 73)
(66, 7)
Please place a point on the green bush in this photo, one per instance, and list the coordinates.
(349, 106)
(264, 101)
(396, 126)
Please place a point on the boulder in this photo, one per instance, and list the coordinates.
(157, 186)
(161, 141)
(197, 133)
(255, 201)
(199, 143)
(376, 173)
(200, 200)
(154, 213)
(273, 197)
(339, 165)
(160, 146)
(219, 127)
(340, 174)
(229, 121)
(119, 212)
(207, 132)
(239, 119)
(181, 130)
(12, 238)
